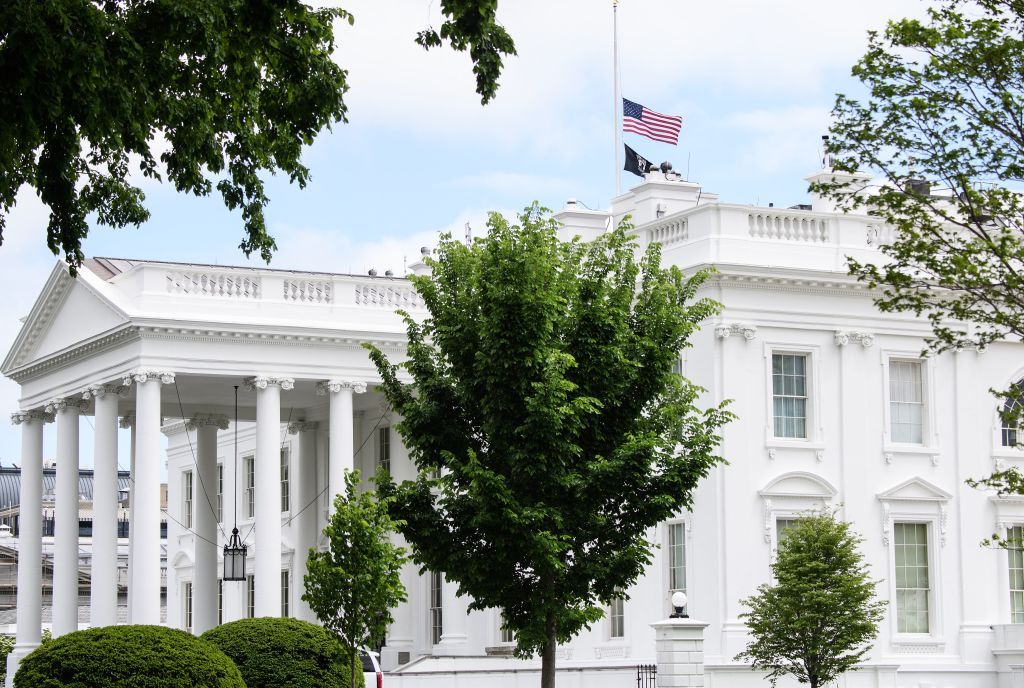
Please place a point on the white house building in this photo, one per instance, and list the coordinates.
(836, 409)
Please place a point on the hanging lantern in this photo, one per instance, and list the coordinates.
(234, 558)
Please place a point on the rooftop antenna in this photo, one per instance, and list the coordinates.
(826, 159)
(405, 265)
(688, 167)
(469, 234)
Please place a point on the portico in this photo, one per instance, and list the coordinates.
(161, 348)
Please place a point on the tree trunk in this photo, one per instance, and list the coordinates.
(547, 665)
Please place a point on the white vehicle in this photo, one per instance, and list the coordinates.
(373, 677)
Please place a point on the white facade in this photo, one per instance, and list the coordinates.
(854, 420)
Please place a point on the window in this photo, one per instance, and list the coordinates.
(906, 402)
(436, 619)
(186, 594)
(384, 449)
(913, 588)
(220, 601)
(1013, 406)
(186, 488)
(783, 526)
(250, 589)
(617, 618)
(506, 636)
(285, 500)
(676, 557)
(220, 493)
(789, 395)
(1015, 550)
(250, 486)
(285, 592)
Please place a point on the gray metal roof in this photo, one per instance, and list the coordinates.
(10, 484)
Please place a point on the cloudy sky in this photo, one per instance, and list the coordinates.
(754, 82)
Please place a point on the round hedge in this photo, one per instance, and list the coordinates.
(128, 657)
(274, 653)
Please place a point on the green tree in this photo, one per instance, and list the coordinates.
(236, 88)
(353, 586)
(814, 622)
(940, 127)
(546, 420)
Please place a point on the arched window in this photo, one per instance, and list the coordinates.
(1012, 413)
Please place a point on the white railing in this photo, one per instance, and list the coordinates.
(786, 227)
(672, 232)
(387, 296)
(308, 290)
(216, 284)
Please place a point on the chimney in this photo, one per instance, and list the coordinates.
(581, 222)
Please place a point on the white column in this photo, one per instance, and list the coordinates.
(455, 614)
(30, 533)
(204, 518)
(341, 443)
(103, 587)
(128, 422)
(267, 571)
(304, 533)
(65, 540)
(145, 527)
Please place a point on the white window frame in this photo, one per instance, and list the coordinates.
(917, 501)
(220, 601)
(250, 596)
(790, 496)
(931, 590)
(286, 482)
(187, 502)
(620, 602)
(187, 608)
(1000, 452)
(686, 521)
(220, 493)
(1010, 590)
(286, 591)
(929, 445)
(1009, 514)
(503, 636)
(383, 453)
(249, 485)
(435, 612)
(815, 435)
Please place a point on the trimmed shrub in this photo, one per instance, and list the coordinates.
(273, 653)
(127, 657)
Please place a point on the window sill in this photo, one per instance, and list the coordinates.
(891, 450)
(774, 444)
(611, 649)
(918, 645)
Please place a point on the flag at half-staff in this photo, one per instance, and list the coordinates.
(636, 163)
(636, 119)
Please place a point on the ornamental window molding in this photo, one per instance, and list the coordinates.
(791, 495)
(915, 500)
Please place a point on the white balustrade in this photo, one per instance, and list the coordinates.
(787, 227)
(387, 296)
(210, 283)
(308, 290)
(668, 233)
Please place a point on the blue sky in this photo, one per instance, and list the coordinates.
(754, 82)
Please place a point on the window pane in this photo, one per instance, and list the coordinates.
(676, 557)
(912, 577)
(789, 395)
(906, 402)
(1015, 552)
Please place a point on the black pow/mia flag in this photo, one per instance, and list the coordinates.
(636, 163)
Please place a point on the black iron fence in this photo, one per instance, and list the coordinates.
(647, 676)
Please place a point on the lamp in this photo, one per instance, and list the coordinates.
(679, 606)
(234, 550)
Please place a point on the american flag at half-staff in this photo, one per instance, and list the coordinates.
(637, 119)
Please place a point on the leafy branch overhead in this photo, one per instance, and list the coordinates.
(547, 421)
(229, 90)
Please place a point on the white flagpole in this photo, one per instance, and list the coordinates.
(617, 110)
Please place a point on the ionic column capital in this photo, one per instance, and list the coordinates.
(263, 381)
(199, 420)
(40, 415)
(127, 420)
(141, 376)
(335, 386)
(748, 332)
(296, 427)
(64, 403)
(865, 339)
(100, 391)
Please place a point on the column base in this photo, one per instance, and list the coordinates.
(454, 645)
(14, 660)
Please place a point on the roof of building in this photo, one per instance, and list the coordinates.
(10, 484)
(109, 268)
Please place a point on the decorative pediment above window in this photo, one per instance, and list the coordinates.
(915, 498)
(1009, 512)
(915, 490)
(791, 494)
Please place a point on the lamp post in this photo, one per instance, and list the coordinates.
(679, 606)
(235, 550)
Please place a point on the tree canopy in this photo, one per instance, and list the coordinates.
(940, 126)
(548, 424)
(814, 622)
(234, 89)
